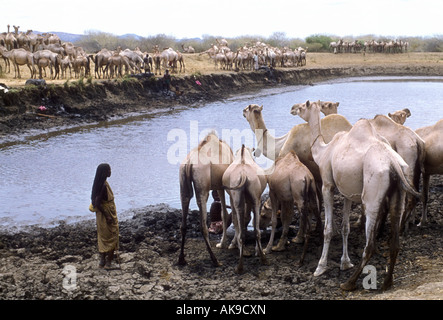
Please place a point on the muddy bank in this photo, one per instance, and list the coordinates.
(35, 264)
(80, 102)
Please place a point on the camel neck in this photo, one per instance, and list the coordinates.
(317, 139)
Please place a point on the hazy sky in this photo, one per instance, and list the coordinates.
(228, 18)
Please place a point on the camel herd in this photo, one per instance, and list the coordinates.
(40, 52)
(252, 57)
(47, 51)
(392, 46)
(376, 162)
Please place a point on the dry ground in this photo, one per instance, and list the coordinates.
(196, 63)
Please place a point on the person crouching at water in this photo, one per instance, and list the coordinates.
(103, 205)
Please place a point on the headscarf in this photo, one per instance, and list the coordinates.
(99, 181)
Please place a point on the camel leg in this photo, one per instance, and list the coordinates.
(328, 199)
(304, 219)
(239, 204)
(286, 214)
(371, 215)
(274, 204)
(224, 240)
(396, 208)
(424, 215)
(258, 246)
(302, 228)
(234, 215)
(345, 261)
(183, 229)
(202, 199)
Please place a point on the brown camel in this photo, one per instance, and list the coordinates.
(291, 182)
(115, 63)
(245, 181)
(202, 170)
(400, 116)
(19, 57)
(49, 55)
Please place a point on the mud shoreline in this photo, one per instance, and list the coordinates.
(33, 262)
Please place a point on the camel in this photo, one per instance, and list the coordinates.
(11, 40)
(181, 61)
(291, 182)
(245, 182)
(410, 147)
(433, 164)
(297, 139)
(100, 61)
(202, 170)
(400, 116)
(43, 63)
(169, 58)
(135, 60)
(65, 63)
(403, 140)
(52, 56)
(19, 57)
(365, 169)
(33, 40)
(329, 107)
(81, 66)
(188, 49)
(6, 60)
(115, 63)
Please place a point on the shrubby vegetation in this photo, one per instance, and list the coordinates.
(94, 41)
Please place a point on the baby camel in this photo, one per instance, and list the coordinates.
(203, 168)
(364, 169)
(291, 182)
(245, 182)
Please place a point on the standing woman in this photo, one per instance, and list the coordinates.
(103, 204)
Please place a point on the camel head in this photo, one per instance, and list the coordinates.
(400, 116)
(328, 107)
(253, 115)
(305, 110)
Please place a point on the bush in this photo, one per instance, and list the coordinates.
(313, 41)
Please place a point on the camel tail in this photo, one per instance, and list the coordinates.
(405, 185)
(185, 176)
(241, 183)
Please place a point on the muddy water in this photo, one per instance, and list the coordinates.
(48, 177)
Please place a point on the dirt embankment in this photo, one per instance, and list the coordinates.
(82, 101)
(37, 263)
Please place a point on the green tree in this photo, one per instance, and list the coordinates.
(318, 42)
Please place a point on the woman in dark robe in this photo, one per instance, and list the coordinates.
(103, 204)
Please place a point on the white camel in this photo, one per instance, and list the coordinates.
(169, 58)
(202, 170)
(365, 169)
(245, 182)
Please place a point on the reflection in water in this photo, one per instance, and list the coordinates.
(49, 177)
